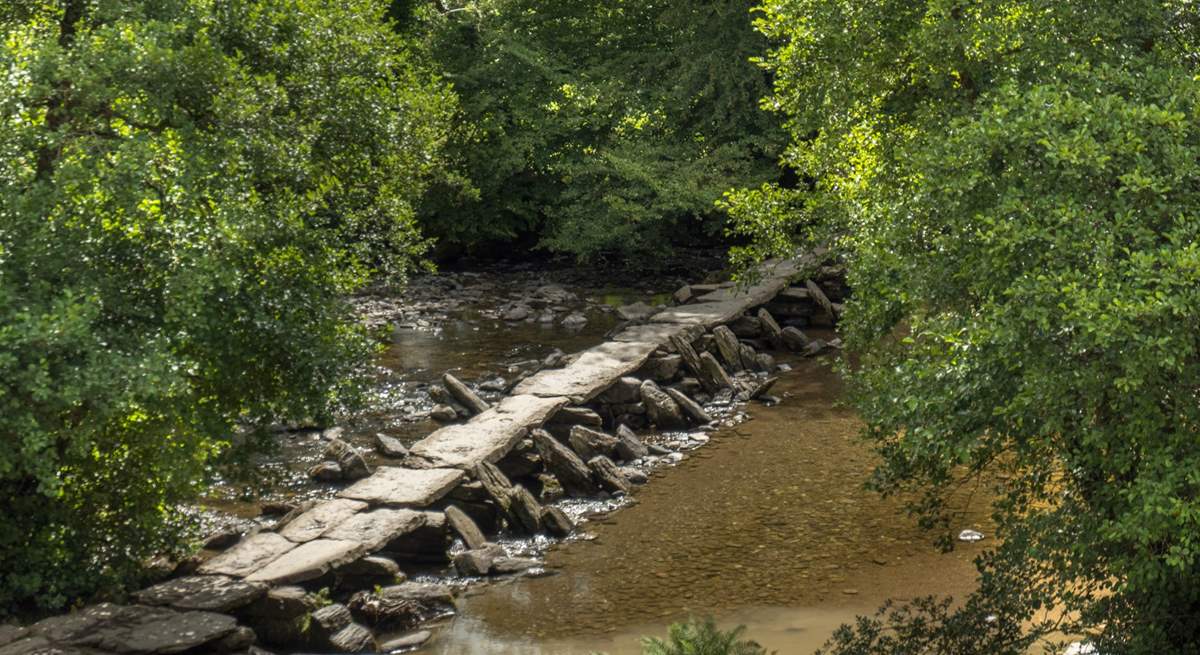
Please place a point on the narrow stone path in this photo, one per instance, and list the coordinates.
(401, 509)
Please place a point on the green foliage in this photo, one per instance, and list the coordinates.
(701, 637)
(188, 190)
(601, 127)
(930, 625)
(1015, 184)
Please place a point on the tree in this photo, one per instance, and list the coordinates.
(599, 128)
(188, 190)
(1014, 185)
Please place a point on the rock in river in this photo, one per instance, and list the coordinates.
(212, 593)
(662, 409)
(390, 446)
(326, 472)
(526, 509)
(462, 524)
(608, 476)
(464, 395)
(127, 629)
(556, 521)
(638, 311)
(353, 466)
(690, 407)
(406, 641)
(588, 443)
(629, 446)
(516, 313)
(574, 321)
(574, 476)
(443, 413)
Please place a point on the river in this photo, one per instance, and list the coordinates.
(767, 526)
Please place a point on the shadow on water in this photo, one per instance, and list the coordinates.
(768, 526)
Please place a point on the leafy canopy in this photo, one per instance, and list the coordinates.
(1015, 185)
(188, 189)
(599, 127)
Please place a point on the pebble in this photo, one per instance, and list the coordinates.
(443, 413)
(497, 384)
(634, 475)
(970, 536)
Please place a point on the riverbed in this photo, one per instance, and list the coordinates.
(767, 526)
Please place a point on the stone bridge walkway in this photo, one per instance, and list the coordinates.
(260, 589)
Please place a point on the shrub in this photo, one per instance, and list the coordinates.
(188, 189)
(600, 129)
(701, 637)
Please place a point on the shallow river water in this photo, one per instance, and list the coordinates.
(767, 526)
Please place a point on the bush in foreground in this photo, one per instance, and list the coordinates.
(701, 637)
(188, 189)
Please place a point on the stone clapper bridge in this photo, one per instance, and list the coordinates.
(251, 593)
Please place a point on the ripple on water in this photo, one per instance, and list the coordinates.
(771, 513)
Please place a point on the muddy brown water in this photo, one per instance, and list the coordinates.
(767, 526)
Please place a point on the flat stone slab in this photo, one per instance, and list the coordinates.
(133, 629)
(659, 333)
(316, 521)
(248, 556)
(753, 295)
(392, 485)
(705, 314)
(211, 593)
(374, 529)
(308, 561)
(786, 268)
(486, 437)
(726, 303)
(591, 372)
